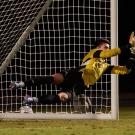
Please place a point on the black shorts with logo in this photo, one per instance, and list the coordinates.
(73, 81)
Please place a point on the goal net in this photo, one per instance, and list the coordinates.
(45, 37)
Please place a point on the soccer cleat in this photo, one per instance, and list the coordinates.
(16, 85)
(29, 100)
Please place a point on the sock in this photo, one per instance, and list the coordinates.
(49, 99)
(39, 80)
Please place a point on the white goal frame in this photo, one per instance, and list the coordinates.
(114, 79)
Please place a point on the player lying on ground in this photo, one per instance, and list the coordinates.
(93, 66)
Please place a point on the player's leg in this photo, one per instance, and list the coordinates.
(41, 80)
(48, 99)
(29, 100)
(56, 98)
(57, 79)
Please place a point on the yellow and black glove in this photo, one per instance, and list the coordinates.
(129, 49)
(132, 39)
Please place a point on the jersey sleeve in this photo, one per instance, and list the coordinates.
(96, 53)
(107, 53)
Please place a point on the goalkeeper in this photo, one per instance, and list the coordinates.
(93, 66)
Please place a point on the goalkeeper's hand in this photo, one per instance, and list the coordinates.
(132, 39)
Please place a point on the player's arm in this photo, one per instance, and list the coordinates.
(96, 53)
(126, 49)
(107, 54)
(122, 70)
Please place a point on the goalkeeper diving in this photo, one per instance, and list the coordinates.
(93, 66)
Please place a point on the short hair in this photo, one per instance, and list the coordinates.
(100, 41)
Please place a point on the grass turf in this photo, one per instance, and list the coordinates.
(124, 126)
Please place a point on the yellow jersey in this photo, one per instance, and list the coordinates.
(94, 64)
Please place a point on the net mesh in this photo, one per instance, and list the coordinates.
(15, 17)
(64, 34)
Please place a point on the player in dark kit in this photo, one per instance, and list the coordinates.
(93, 66)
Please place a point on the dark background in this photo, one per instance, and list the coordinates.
(126, 24)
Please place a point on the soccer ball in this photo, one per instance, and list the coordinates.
(26, 109)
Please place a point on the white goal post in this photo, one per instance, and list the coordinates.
(42, 37)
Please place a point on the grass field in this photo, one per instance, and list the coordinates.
(124, 126)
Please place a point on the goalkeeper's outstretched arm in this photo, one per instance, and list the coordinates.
(128, 68)
(100, 52)
(122, 70)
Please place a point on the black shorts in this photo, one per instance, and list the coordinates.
(73, 81)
